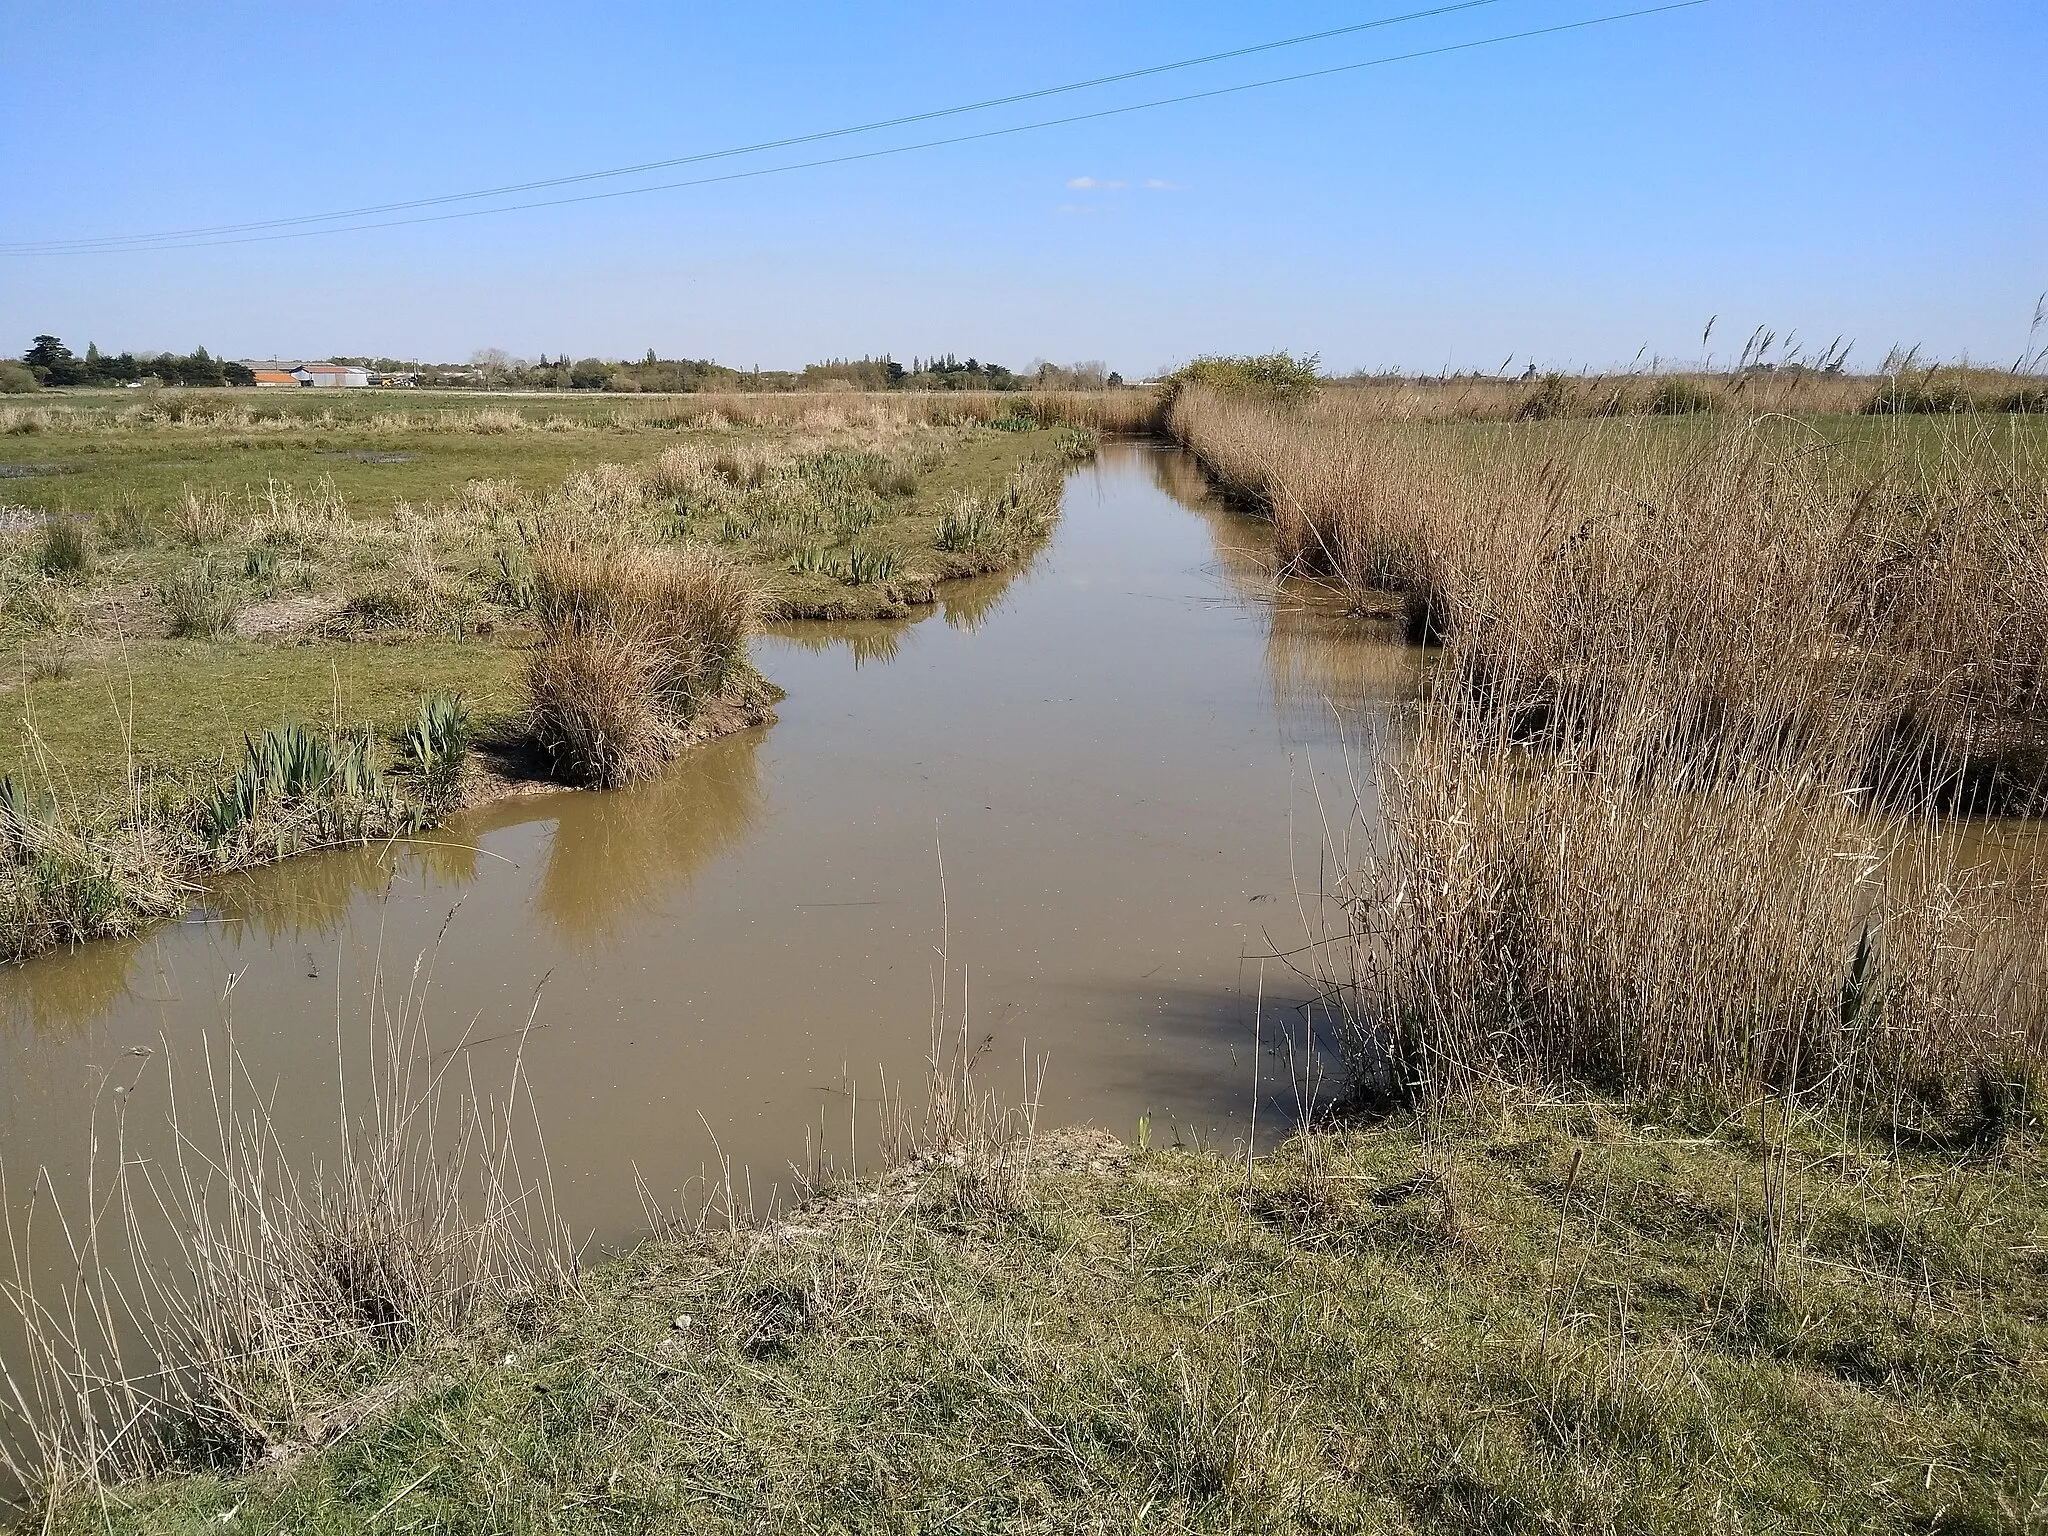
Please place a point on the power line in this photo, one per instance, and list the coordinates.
(108, 241)
(899, 149)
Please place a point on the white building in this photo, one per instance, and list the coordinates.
(332, 376)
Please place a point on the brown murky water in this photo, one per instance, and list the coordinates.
(1125, 753)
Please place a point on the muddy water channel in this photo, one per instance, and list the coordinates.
(1124, 753)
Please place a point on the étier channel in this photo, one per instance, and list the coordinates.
(1127, 755)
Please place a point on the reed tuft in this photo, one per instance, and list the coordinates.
(634, 642)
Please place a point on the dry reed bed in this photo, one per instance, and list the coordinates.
(1903, 391)
(1679, 815)
(1743, 591)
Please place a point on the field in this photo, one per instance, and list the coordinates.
(190, 571)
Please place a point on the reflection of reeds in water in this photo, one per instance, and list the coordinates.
(70, 989)
(1181, 476)
(311, 897)
(1317, 653)
(866, 639)
(620, 854)
(970, 604)
(1320, 658)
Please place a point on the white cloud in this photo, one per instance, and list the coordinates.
(1154, 184)
(1092, 184)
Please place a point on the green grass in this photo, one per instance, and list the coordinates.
(192, 700)
(188, 703)
(155, 468)
(302, 580)
(1556, 1319)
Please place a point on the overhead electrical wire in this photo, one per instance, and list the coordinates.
(89, 241)
(183, 242)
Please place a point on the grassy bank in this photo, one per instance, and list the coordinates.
(1555, 1317)
(181, 574)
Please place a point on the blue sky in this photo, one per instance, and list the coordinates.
(1869, 168)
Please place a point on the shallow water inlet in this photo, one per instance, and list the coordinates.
(1124, 755)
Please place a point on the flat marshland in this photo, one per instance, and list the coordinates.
(187, 581)
(1684, 963)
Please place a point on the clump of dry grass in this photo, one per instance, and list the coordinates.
(64, 882)
(634, 642)
(1578, 921)
(201, 517)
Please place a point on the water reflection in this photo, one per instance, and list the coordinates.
(622, 856)
(1320, 657)
(607, 856)
(868, 641)
(65, 993)
(970, 604)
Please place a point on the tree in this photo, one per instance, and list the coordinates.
(52, 362)
(492, 362)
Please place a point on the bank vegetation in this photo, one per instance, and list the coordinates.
(1730, 773)
(415, 610)
(1689, 980)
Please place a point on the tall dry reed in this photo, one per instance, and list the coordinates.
(217, 1294)
(1680, 811)
(1741, 588)
(1556, 922)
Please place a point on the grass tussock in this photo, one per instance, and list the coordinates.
(634, 643)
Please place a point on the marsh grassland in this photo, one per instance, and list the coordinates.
(244, 629)
(1686, 958)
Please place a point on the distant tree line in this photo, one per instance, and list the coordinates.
(51, 363)
(496, 369)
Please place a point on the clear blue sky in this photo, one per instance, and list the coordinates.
(1873, 168)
